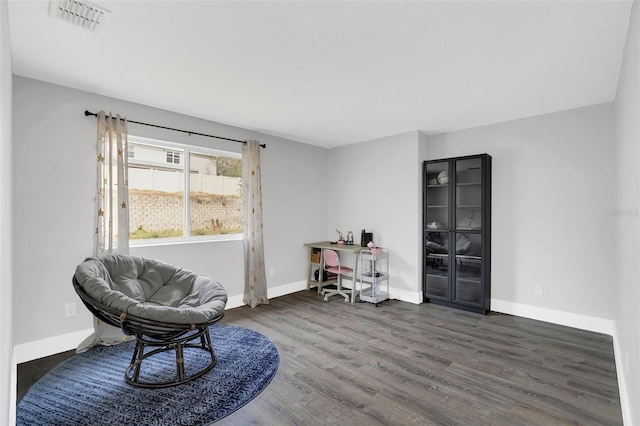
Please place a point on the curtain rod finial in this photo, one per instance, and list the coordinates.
(87, 113)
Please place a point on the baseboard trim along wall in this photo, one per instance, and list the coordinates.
(54, 345)
(583, 322)
(49, 346)
(237, 300)
(622, 383)
(408, 296)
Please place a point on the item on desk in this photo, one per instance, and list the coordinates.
(365, 237)
(349, 238)
(374, 248)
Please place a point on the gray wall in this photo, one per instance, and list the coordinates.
(376, 185)
(627, 317)
(7, 385)
(552, 192)
(552, 188)
(53, 158)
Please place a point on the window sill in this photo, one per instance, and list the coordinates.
(181, 241)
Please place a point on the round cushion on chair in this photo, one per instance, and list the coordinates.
(336, 270)
(152, 289)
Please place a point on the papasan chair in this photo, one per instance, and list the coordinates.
(165, 307)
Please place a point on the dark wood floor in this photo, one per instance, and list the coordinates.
(400, 364)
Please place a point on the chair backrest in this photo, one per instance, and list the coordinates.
(331, 258)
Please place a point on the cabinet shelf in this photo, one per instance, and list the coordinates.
(469, 280)
(461, 256)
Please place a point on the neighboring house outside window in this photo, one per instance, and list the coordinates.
(173, 157)
(167, 204)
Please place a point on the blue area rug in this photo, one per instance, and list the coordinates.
(89, 388)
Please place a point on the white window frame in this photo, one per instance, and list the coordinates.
(186, 166)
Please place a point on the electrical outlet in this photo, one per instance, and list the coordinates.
(272, 272)
(70, 310)
(538, 289)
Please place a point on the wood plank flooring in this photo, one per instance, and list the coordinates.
(400, 364)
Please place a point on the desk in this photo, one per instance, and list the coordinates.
(355, 249)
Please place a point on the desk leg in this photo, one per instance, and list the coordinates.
(320, 272)
(354, 283)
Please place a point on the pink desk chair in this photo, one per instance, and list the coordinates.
(332, 266)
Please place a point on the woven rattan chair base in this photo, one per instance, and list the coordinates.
(178, 344)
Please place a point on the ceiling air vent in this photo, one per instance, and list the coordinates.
(83, 14)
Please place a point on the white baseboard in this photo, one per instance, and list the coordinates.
(54, 345)
(414, 297)
(238, 299)
(287, 289)
(49, 346)
(583, 322)
(622, 383)
(235, 301)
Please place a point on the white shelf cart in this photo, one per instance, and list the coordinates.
(374, 272)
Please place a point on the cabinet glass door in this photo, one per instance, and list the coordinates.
(468, 278)
(437, 196)
(437, 276)
(469, 194)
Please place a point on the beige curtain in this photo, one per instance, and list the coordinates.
(111, 217)
(112, 193)
(255, 281)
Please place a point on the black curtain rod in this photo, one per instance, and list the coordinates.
(87, 114)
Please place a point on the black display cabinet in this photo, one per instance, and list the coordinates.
(457, 232)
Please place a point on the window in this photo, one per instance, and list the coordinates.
(131, 153)
(173, 157)
(166, 202)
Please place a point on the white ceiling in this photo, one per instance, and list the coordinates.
(334, 73)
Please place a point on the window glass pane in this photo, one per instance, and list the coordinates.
(215, 197)
(156, 193)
